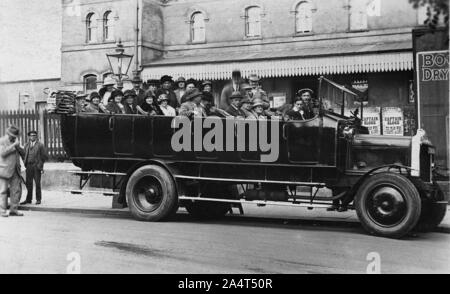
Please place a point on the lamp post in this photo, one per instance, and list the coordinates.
(122, 61)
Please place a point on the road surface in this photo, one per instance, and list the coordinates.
(49, 242)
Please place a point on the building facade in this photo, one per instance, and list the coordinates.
(364, 44)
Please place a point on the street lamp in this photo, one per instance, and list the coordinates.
(123, 62)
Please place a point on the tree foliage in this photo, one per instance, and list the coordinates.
(435, 10)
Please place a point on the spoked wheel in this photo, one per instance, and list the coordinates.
(210, 209)
(388, 205)
(151, 194)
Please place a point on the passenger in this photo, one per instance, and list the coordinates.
(247, 90)
(257, 91)
(95, 106)
(129, 102)
(181, 88)
(208, 107)
(297, 112)
(306, 95)
(191, 108)
(137, 88)
(107, 89)
(246, 106)
(207, 86)
(166, 86)
(115, 105)
(80, 103)
(190, 87)
(152, 86)
(235, 107)
(258, 108)
(165, 108)
(229, 89)
(149, 107)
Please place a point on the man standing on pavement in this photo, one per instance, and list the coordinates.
(34, 156)
(10, 172)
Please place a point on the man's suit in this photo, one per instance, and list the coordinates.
(235, 111)
(34, 156)
(9, 175)
(227, 91)
(140, 96)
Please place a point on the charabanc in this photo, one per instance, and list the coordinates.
(209, 165)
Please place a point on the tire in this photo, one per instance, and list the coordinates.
(151, 194)
(207, 210)
(432, 213)
(388, 205)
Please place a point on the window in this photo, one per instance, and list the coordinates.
(90, 83)
(253, 21)
(198, 31)
(91, 28)
(303, 17)
(358, 15)
(108, 26)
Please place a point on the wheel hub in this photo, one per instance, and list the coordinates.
(386, 206)
(148, 193)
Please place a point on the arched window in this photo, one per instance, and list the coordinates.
(358, 15)
(198, 31)
(303, 17)
(253, 21)
(108, 26)
(90, 82)
(91, 28)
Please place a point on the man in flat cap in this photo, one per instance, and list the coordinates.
(10, 172)
(34, 156)
(306, 96)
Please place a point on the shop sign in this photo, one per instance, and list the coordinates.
(371, 120)
(392, 121)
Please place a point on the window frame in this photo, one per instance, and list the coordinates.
(247, 22)
(108, 24)
(86, 82)
(193, 28)
(91, 28)
(296, 17)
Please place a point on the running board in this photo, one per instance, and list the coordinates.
(311, 184)
(78, 172)
(81, 192)
(258, 202)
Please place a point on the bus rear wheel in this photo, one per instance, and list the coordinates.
(388, 205)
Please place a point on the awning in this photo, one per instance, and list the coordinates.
(300, 66)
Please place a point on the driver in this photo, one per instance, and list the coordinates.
(306, 96)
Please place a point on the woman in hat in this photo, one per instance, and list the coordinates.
(191, 85)
(258, 108)
(153, 86)
(149, 107)
(107, 89)
(192, 108)
(246, 106)
(95, 106)
(207, 86)
(163, 104)
(129, 102)
(166, 86)
(115, 105)
(181, 88)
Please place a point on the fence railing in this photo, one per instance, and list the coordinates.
(47, 125)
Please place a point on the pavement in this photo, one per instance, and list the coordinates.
(59, 201)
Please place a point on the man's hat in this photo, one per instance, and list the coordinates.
(259, 102)
(166, 78)
(136, 80)
(306, 90)
(195, 93)
(236, 95)
(246, 86)
(153, 82)
(109, 81)
(32, 133)
(129, 93)
(254, 78)
(13, 131)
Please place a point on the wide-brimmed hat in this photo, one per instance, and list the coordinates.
(193, 94)
(136, 80)
(13, 131)
(236, 95)
(153, 82)
(306, 90)
(81, 95)
(163, 98)
(254, 78)
(32, 133)
(166, 78)
(109, 81)
(259, 102)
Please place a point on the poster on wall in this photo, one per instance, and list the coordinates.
(392, 121)
(278, 100)
(371, 120)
